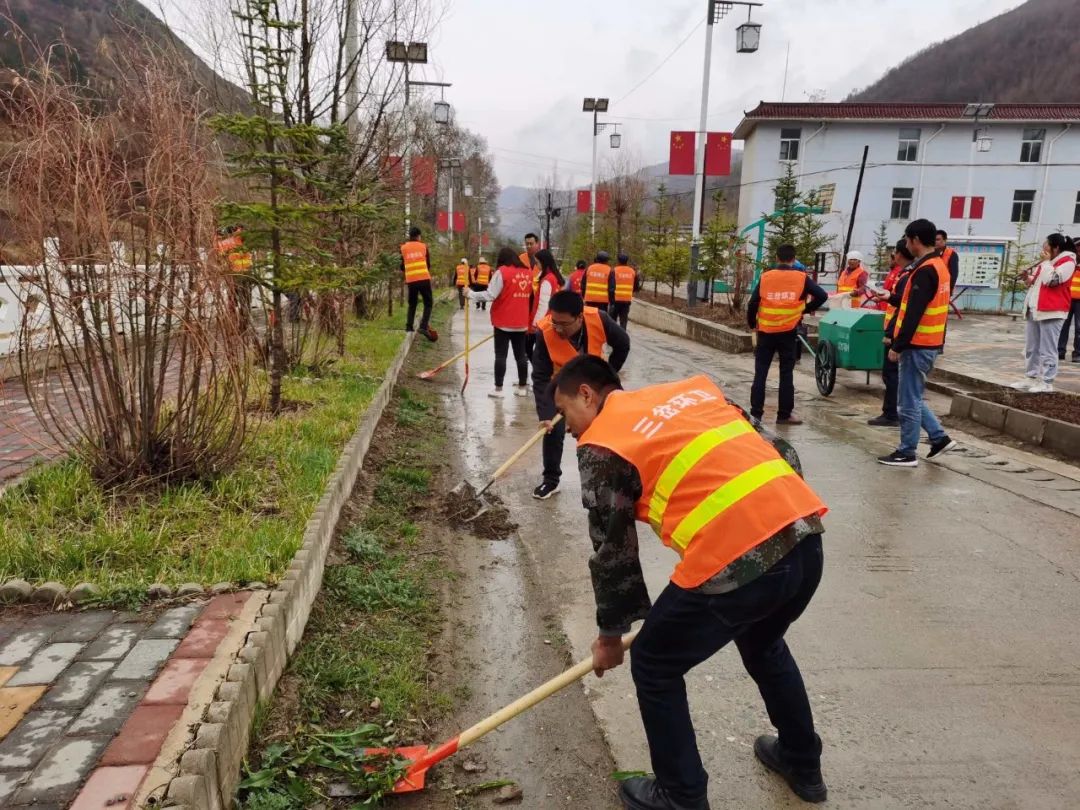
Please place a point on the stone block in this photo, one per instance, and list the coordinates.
(144, 660)
(114, 643)
(141, 737)
(1062, 437)
(111, 788)
(36, 734)
(49, 593)
(174, 623)
(989, 414)
(23, 644)
(190, 589)
(16, 590)
(108, 709)
(173, 684)
(159, 590)
(960, 406)
(60, 773)
(83, 626)
(46, 664)
(83, 592)
(1027, 427)
(192, 791)
(204, 638)
(15, 702)
(8, 783)
(77, 685)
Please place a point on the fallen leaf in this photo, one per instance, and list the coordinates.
(376, 704)
(472, 766)
(509, 793)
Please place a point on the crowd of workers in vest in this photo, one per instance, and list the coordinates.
(714, 483)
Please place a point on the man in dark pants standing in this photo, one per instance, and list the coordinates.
(776, 307)
(890, 371)
(730, 499)
(570, 329)
(949, 256)
(416, 266)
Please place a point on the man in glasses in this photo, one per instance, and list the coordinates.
(570, 329)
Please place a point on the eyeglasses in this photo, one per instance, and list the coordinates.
(564, 324)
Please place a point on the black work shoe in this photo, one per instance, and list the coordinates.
(939, 448)
(788, 420)
(898, 459)
(545, 491)
(645, 793)
(883, 421)
(807, 785)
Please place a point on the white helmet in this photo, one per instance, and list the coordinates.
(856, 255)
(464, 261)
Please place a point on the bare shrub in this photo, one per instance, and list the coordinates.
(151, 375)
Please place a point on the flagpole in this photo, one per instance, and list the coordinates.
(699, 163)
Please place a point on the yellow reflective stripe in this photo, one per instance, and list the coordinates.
(937, 310)
(684, 461)
(727, 496)
(780, 310)
(929, 329)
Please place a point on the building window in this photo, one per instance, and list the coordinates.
(1076, 210)
(901, 203)
(1031, 147)
(908, 151)
(789, 144)
(1023, 202)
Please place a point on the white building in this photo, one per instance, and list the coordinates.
(976, 171)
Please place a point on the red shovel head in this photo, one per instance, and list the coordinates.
(413, 780)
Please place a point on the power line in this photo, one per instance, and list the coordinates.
(685, 39)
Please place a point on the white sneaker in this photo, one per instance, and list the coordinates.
(521, 390)
(1024, 385)
(1041, 388)
(496, 394)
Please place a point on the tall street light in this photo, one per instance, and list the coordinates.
(597, 106)
(451, 164)
(747, 39)
(414, 53)
(974, 112)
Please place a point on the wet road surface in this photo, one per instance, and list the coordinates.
(941, 650)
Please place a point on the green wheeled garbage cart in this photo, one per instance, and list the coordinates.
(850, 339)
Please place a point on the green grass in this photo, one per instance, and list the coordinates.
(369, 633)
(242, 527)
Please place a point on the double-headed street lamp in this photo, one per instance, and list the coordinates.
(597, 106)
(747, 40)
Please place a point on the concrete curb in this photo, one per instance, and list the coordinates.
(209, 769)
(1030, 428)
(699, 330)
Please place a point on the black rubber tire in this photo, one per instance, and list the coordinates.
(825, 367)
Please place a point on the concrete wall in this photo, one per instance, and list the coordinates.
(697, 329)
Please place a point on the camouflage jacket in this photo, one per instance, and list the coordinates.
(610, 486)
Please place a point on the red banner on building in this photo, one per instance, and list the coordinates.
(956, 207)
(681, 153)
(423, 176)
(977, 205)
(459, 221)
(718, 154)
(441, 220)
(583, 201)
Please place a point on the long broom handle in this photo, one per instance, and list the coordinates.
(506, 465)
(462, 353)
(466, 380)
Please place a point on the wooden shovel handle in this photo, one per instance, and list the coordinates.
(506, 465)
(525, 702)
(462, 353)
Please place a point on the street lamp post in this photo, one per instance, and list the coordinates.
(451, 164)
(748, 36)
(597, 106)
(974, 112)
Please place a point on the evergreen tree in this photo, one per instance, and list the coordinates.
(794, 222)
(882, 249)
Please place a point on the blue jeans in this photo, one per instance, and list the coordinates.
(685, 628)
(915, 366)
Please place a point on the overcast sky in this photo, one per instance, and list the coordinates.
(520, 69)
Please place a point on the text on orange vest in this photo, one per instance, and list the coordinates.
(783, 300)
(414, 255)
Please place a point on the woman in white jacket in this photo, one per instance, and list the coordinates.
(1045, 308)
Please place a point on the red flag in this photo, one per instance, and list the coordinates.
(718, 154)
(977, 204)
(423, 176)
(956, 207)
(440, 221)
(681, 155)
(459, 221)
(602, 199)
(583, 200)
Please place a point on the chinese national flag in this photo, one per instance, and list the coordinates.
(977, 204)
(681, 155)
(603, 198)
(956, 207)
(441, 221)
(583, 200)
(718, 154)
(423, 176)
(459, 221)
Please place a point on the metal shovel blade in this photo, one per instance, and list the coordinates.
(413, 780)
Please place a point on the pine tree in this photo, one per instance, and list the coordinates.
(882, 249)
(794, 221)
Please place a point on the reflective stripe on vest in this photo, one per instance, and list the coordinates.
(596, 284)
(1074, 289)
(462, 278)
(624, 283)
(931, 329)
(239, 262)
(483, 274)
(846, 282)
(711, 487)
(783, 300)
(561, 351)
(414, 254)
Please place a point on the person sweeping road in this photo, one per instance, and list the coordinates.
(570, 329)
(747, 530)
(510, 292)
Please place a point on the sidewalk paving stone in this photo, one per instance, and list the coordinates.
(173, 623)
(145, 658)
(15, 702)
(8, 783)
(36, 734)
(83, 626)
(110, 788)
(77, 685)
(46, 665)
(141, 737)
(23, 644)
(174, 682)
(113, 644)
(110, 707)
(61, 772)
(6, 673)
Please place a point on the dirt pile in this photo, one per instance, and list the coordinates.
(463, 509)
(1063, 406)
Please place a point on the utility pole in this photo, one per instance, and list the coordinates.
(352, 90)
(547, 223)
(855, 204)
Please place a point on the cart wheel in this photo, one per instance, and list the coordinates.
(825, 367)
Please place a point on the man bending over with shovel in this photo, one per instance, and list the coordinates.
(730, 500)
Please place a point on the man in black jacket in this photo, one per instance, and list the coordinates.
(565, 333)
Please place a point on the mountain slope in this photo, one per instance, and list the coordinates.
(1030, 54)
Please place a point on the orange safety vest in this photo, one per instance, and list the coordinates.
(625, 276)
(240, 261)
(930, 333)
(783, 300)
(890, 310)
(846, 282)
(528, 262)
(562, 351)
(596, 284)
(482, 274)
(711, 487)
(462, 277)
(1074, 288)
(414, 254)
